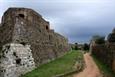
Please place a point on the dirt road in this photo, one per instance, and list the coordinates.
(91, 69)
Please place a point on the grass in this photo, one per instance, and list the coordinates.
(107, 72)
(58, 66)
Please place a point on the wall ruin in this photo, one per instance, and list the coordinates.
(15, 59)
(23, 26)
(105, 52)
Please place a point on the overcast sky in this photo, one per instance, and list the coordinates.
(78, 20)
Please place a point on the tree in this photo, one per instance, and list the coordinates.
(98, 39)
(86, 46)
(76, 46)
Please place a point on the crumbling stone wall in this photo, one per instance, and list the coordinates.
(26, 27)
(105, 52)
(15, 59)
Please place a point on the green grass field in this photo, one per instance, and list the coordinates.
(104, 68)
(58, 66)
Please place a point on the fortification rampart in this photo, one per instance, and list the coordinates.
(105, 52)
(21, 27)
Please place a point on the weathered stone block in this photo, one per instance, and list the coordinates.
(16, 59)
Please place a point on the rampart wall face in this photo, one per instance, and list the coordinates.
(105, 52)
(26, 27)
(102, 52)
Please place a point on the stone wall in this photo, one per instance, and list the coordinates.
(105, 52)
(24, 26)
(16, 59)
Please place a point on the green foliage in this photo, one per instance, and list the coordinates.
(98, 39)
(86, 46)
(76, 46)
(58, 66)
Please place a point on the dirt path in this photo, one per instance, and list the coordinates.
(91, 69)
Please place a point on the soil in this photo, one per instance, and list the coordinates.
(91, 69)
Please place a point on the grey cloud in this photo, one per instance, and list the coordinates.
(76, 19)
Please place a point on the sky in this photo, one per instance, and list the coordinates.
(78, 20)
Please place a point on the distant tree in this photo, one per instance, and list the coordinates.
(98, 39)
(86, 46)
(76, 46)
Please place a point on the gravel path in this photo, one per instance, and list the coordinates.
(91, 69)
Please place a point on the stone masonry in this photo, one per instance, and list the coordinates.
(26, 41)
(105, 52)
(16, 59)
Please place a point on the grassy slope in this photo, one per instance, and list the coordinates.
(58, 66)
(104, 68)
